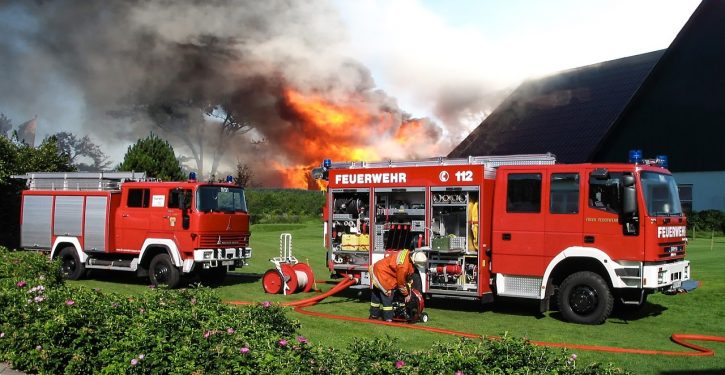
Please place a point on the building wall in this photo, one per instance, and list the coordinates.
(708, 189)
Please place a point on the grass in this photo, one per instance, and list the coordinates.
(699, 312)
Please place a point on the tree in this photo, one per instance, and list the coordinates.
(17, 158)
(244, 174)
(79, 149)
(5, 125)
(154, 156)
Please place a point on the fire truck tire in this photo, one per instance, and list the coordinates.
(213, 276)
(70, 264)
(163, 272)
(585, 298)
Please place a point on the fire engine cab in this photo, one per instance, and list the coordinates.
(588, 235)
(123, 221)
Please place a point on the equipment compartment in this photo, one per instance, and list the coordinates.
(399, 219)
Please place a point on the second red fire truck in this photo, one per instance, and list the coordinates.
(125, 222)
(589, 235)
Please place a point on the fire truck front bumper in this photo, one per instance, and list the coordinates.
(666, 277)
(229, 257)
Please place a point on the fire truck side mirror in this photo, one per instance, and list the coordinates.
(629, 195)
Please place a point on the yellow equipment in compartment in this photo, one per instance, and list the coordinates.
(355, 242)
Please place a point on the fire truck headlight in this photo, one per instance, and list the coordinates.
(208, 254)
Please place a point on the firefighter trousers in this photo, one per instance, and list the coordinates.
(381, 302)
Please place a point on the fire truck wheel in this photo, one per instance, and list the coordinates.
(163, 272)
(213, 276)
(71, 266)
(585, 298)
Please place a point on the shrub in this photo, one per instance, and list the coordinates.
(708, 220)
(50, 327)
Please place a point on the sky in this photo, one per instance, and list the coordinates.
(498, 44)
(449, 61)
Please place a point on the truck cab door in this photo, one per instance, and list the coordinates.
(564, 218)
(132, 219)
(518, 223)
(604, 225)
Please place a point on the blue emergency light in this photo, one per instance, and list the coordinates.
(230, 179)
(662, 161)
(327, 163)
(192, 176)
(635, 156)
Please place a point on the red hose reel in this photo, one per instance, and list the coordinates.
(288, 276)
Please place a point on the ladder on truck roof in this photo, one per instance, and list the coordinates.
(492, 160)
(79, 180)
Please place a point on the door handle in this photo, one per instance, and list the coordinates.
(506, 236)
(588, 239)
(124, 215)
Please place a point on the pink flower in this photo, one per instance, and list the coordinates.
(230, 330)
(266, 304)
(573, 357)
(282, 343)
(459, 372)
(141, 356)
(38, 347)
(302, 340)
(244, 350)
(2, 334)
(399, 364)
(134, 362)
(207, 334)
(21, 284)
(70, 302)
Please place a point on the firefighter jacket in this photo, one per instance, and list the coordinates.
(392, 271)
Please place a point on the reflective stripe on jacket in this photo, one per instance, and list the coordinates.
(392, 271)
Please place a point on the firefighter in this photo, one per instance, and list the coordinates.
(390, 273)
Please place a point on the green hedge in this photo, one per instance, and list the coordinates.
(51, 328)
(708, 220)
(284, 205)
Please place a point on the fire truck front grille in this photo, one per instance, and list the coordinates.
(211, 241)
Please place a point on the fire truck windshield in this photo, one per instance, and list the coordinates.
(660, 194)
(221, 199)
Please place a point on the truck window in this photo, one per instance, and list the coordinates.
(564, 193)
(138, 198)
(174, 198)
(604, 193)
(523, 194)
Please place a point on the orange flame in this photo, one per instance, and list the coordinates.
(349, 130)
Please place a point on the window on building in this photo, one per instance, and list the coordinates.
(523, 193)
(138, 198)
(685, 192)
(564, 193)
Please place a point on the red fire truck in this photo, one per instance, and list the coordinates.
(588, 235)
(123, 221)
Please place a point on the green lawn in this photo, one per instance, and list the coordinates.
(699, 312)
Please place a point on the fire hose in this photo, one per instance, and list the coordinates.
(678, 338)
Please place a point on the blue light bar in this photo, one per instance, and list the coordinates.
(230, 179)
(192, 176)
(662, 161)
(635, 156)
(327, 163)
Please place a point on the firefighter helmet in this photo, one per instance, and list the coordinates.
(419, 258)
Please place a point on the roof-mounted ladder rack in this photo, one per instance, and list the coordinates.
(79, 180)
(493, 161)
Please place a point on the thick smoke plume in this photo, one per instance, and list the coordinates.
(177, 67)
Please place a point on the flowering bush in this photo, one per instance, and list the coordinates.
(49, 327)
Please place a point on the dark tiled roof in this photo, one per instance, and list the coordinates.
(567, 114)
